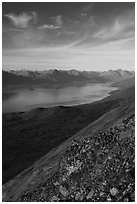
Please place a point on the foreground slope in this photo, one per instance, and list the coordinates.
(29, 135)
(96, 164)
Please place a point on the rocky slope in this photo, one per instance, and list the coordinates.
(94, 169)
(96, 164)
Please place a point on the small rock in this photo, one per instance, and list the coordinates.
(113, 191)
(126, 200)
(54, 198)
(90, 194)
(56, 183)
(132, 196)
(109, 199)
(77, 196)
(63, 191)
(101, 194)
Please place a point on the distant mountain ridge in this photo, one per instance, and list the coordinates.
(53, 77)
(117, 75)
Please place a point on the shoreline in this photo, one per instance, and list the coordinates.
(72, 103)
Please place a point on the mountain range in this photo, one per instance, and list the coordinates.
(63, 77)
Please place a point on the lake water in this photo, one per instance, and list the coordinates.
(26, 99)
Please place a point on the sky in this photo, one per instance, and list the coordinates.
(69, 35)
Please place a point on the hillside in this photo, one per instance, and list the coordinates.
(126, 83)
(42, 129)
(96, 164)
(9, 78)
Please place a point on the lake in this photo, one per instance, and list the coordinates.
(25, 99)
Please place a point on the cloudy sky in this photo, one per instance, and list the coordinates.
(85, 36)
